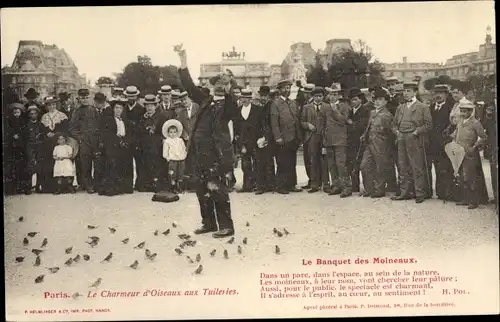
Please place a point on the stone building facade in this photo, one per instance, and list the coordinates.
(46, 68)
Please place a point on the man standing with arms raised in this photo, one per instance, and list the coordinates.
(210, 152)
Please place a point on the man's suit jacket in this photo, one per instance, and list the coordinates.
(393, 103)
(421, 118)
(265, 130)
(223, 114)
(359, 122)
(309, 115)
(285, 122)
(247, 130)
(334, 125)
(186, 120)
(440, 122)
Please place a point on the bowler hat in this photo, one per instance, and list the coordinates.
(168, 124)
(264, 90)
(99, 97)
(246, 93)
(150, 99)
(441, 88)
(18, 106)
(284, 82)
(131, 91)
(63, 95)
(83, 92)
(317, 90)
(380, 92)
(31, 93)
(355, 92)
(165, 89)
(50, 99)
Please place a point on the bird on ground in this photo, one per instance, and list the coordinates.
(86, 257)
(212, 253)
(69, 262)
(279, 233)
(153, 256)
(231, 240)
(21, 219)
(190, 259)
(44, 242)
(166, 232)
(174, 225)
(198, 257)
(39, 279)
(19, 259)
(91, 227)
(134, 265)
(285, 231)
(32, 234)
(239, 249)
(76, 259)
(275, 230)
(277, 249)
(124, 241)
(108, 258)
(147, 252)
(68, 250)
(25, 241)
(183, 236)
(53, 270)
(96, 283)
(94, 238)
(112, 230)
(199, 270)
(248, 224)
(92, 243)
(38, 261)
(36, 251)
(178, 251)
(226, 255)
(140, 245)
(245, 241)
(155, 233)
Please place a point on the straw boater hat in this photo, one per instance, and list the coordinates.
(284, 82)
(118, 100)
(151, 99)
(165, 89)
(33, 108)
(131, 91)
(183, 94)
(117, 90)
(168, 124)
(246, 93)
(50, 99)
(467, 105)
(175, 94)
(18, 106)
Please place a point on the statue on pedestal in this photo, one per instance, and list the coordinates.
(298, 70)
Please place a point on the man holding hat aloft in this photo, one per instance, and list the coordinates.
(285, 124)
(210, 152)
(412, 125)
(358, 120)
(84, 126)
(440, 112)
(312, 133)
(133, 113)
(471, 135)
(266, 172)
(377, 161)
(246, 124)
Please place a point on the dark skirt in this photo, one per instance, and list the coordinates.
(118, 174)
(16, 175)
(46, 179)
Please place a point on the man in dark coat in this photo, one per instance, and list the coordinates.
(358, 120)
(210, 151)
(440, 112)
(65, 105)
(394, 100)
(246, 125)
(285, 125)
(133, 113)
(84, 127)
(266, 172)
(312, 127)
(304, 97)
(490, 124)
(411, 125)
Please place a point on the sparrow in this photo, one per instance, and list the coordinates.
(107, 258)
(279, 233)
(92, 243)
(155, 233)
(183, 236)
(39, 279)
(285, 231)
(25, 241)
(190, 259)
(277, 249)
(97, 283)
(181, 245)
(274, 230)
(94, 238)
(76, 259)
(21, 219)
(53, 270)
(38, 261)
(69, 262)
(36, 251)
(86, 257)
(125, 240)
(32, 234)
(178, 251)
(148, 253)
(231, 240)
(245, 241)
(19, 259)
(212, 253)
(68, 250)
(248, 224)
(191, 243)
(174, 225)
(239, 249)
(91, 227)
(140, 245)
(76, 295)
(112, 230)
(166, 232)
(134, 265)
(198, 258)
(44, 242)
(199, 270)
(226, 255)
(153, 256)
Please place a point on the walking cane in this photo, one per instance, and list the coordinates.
(429, 184)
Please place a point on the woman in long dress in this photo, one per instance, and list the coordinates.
(115, 135)
(53, 121)
(14, 154)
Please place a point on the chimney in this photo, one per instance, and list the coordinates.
(405, 60)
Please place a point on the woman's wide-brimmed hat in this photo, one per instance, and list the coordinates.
(168, 124)
(50, 99)
(131, 91)
(31, 93)
(18, 106)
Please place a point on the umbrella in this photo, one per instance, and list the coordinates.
(456, 154)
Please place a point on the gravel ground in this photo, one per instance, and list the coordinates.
(319, 226)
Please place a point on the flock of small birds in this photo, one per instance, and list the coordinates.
(93, 241)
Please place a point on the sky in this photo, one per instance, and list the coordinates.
(103, 40)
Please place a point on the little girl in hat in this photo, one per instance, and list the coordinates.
(64, 170)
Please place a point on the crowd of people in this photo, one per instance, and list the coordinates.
(391, 139)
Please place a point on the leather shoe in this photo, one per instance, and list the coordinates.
(307, 186)
(397, 198)
(295, 189)
(223, 233)
(259, 192)
(335, 192)
(419, 199)
(313, 190)
(282, 191)
(366, 194)
(90, 191)
(204, 230)
(327, 190)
